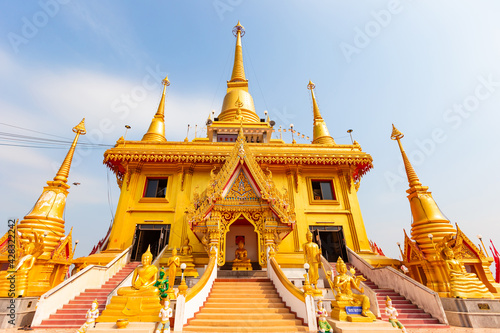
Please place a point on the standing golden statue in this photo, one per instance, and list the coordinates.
(241, 261)
(173, 262)
(345, 298)
(312, 255)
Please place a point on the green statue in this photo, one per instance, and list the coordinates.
(162, 284)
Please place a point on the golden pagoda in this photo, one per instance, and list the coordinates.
(43, 252)
(438, 255)
(237, 184)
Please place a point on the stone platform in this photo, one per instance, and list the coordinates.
(375, 326)
(18, 313)
(137, 327)
(477, 313)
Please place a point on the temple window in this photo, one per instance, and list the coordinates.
(322, 190)
(156, 188)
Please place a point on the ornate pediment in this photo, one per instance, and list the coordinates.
(241, 177)
(241, 189)
(411, 250)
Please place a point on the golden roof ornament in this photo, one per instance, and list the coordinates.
(63, 173)
(237, 86)
(320, 131)
(410, 172)
(427, 217)
(156, 131)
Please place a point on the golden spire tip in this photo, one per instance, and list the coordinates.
(396, 134)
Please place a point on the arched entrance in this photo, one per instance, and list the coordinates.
(242, 230)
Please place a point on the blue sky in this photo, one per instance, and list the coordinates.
(430, 68)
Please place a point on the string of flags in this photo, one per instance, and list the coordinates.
(291, 130)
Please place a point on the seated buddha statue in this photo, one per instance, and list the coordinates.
(241, 260)
(143, 279)
(186, 249)
(186, 257)
(140, 301)
(343, 284)
(462, 283)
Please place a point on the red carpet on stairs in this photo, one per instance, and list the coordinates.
(72, 315)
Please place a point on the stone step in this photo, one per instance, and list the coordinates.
(72, 314)
(242, 301)
(67, 322)
(245, 295)
(246, 316)
(238, 310)
(227, 305)
(278, 328)
(242, 280)
(250, 287)
(244, 322)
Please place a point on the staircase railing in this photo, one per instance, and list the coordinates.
(298, 301)
(128, 280)
(388, 277)
(372, 295)
(92, 276)
(188, 305)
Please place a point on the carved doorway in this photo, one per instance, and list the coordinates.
(242, 230)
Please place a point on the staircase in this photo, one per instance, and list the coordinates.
(247, 303)
(409, 314)
(72, 315)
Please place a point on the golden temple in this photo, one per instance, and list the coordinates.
(241, 200)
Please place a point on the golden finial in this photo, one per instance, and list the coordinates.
(165, 81)
(63, 173)
(320, 131)
(396, 134)
(147, 253)
(156, 131)
(238, 69)
(410, 172)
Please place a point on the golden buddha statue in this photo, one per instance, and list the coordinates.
(241, 261)
(138, 302)
(143, 279)
(312, 255)
(28, 253)
(462, 283)
(343, 284)
(186, 249)
(172, 263)
(187, 258)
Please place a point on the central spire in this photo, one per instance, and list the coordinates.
(237, 87)
(238, 69)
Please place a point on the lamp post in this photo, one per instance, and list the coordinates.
(127, 127)
(350, 133)
(183, 286)
(481, 240)
(291, 129)
(307, 286)
(399, 245)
